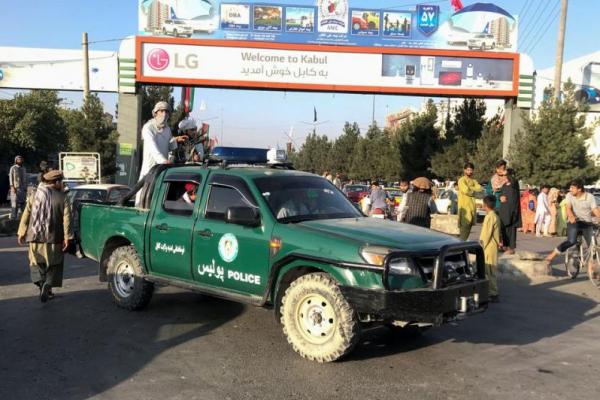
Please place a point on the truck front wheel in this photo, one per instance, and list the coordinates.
(317, 320)
(125, 279)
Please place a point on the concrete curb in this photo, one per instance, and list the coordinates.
(524, 265)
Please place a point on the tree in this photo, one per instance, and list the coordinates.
(416, 142)
(313, 155)
(342, 149)
(91, 130)
(468, 121)
(551, 148)
(488, 149)
(460, 141)
(31, 125)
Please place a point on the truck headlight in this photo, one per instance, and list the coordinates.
(375, 255)
(402, 266)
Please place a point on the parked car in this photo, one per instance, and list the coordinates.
(447, 201)
(482, 41)
(177, 28)
(355, 193)
(93, 193)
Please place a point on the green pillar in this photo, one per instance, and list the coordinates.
(129, 127)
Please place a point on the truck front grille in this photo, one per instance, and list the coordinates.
(456, 268)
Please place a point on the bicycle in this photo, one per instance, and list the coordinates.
(578, 256)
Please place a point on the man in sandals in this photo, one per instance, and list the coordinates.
(580, 208)
(46, 226)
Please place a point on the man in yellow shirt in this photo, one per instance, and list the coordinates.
(467, 187)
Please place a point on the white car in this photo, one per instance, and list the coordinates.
(482, 41)
(177, 27)
(447, 201)
(208, 25)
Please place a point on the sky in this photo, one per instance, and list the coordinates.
(262, 118)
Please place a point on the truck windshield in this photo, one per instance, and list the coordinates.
(304, 198)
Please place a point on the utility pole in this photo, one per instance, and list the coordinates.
(86, 67)
(560, 47)
(373, 115)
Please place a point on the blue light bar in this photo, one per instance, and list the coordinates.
(241, 155)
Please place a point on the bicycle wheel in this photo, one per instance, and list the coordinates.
(573, 262)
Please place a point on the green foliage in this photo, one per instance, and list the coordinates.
(468, 121)
(488, 149)
(314, 154)
(30, 125)
(343, 147)
(551, 148)
(416, 142)
(91, 130)
(460, 141)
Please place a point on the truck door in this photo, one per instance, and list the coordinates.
(228, 255)
(170, 238)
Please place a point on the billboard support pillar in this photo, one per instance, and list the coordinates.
(513, 122)
(129, 127)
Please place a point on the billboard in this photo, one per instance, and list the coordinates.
(326, 68)
(481, 26)
(80, 166)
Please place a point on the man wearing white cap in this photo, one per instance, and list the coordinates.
(158, 139)
(192, 149)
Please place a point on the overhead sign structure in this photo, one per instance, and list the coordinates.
(225, 63)
(482, 26)
(56, 69)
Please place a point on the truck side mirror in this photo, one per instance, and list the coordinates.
(245, 216)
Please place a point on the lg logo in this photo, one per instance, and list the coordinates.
(158, 59)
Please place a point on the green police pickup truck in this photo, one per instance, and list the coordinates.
(275, 237)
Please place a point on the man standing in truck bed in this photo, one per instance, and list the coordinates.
(46, 226)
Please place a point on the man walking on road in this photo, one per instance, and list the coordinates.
(17, 180)
(46, 226)
(467, 187)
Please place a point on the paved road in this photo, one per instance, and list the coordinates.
(540, 342)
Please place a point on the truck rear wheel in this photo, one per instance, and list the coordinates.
(125, 279)
(317, 320)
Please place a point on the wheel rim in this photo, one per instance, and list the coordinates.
(124, 279)
(316, 318)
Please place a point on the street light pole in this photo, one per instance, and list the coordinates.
(86, 66)
(560, 48)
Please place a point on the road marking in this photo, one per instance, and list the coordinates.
(13, 249)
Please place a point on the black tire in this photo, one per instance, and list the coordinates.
(126, 280)
(317, 320)
(573, 262)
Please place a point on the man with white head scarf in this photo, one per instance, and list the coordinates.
(158, 139)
